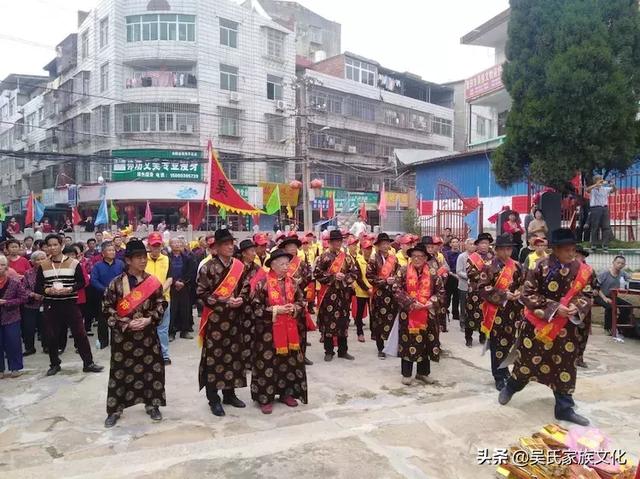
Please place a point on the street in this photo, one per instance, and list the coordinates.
(360, 422)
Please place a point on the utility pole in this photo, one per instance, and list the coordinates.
(303, 122)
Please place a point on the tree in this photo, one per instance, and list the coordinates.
(412, 222)
(573, 73)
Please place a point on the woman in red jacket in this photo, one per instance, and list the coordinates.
(515, 229)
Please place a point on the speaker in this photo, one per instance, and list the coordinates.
(551, 206)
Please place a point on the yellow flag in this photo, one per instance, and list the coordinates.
(289, 211)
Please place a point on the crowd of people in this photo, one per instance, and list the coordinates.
(256, 299)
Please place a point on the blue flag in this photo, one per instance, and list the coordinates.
(472, 222)
(38, 210)
(102, 218)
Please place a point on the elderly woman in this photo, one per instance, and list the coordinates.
(538, 225)
(278, 361)
(31, 314)
(182, 271)
(12, 295)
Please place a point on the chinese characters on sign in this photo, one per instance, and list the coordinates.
(483, 83)
(160, 165)
(549, 457)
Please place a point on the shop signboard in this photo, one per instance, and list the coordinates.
(157, 165)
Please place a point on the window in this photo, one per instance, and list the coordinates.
(481, 126)
(148, 28)
(275, 173)
(228, 78)
(315, 34)
(360, 71)
(275, 128)
(151, 118)
(274, 87)
(30, 123)
(40, 115)
(363, 110)
(275, 44)
(84, 45)
(104, 32)
(104, 77)
(442, 126)
(228, 33)
(229, 122)
(231, 170)
(330, 180)
(102, 120)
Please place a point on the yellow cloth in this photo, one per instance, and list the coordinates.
(362, 264)
(160, 269)
(257, 259)
(402, 259)
(440, 258)
(533, 258)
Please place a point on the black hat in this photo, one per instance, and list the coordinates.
(223, 235)
(580, 250)
(335, 235)
(483, 237)
(562, 236)
(134, 246)
(279, 253)
(426, 240)
(382, 237)
(504, 241)
(290, 239)
(422, 247)
(245, 245)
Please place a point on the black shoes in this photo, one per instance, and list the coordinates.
(581, 364)
(328, 357)
(172, 337)
(483, 339)
(505, 396)
(29, 352)
(381, 355)
(154, 413)
(233, 401)
(53, 370)
(308, 362)
(111, 420)
(571, 416)
(500, 384)
(186, 335)
(216, 409)
(469, 343)
(93, 368)
(167, 362)
(346, 355)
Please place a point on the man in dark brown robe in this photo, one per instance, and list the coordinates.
(223, 288)
(475, 264)
(252, 274)
(557, 298)
(336, 272)
(582, 255)
(499, 287)
(133, 306)
(278, 361)
(418, 292)
(382, 270)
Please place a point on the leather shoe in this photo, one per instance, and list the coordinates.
(469, 343)
(186, 335)
(381, 355)
(154, 413)
(581, 364)
(266, 408)
(328, 357)
(572, 416)
(483, 339)
(111, 420)
(53, 370)
(167, 362)
(92, 368)
(308, 362)
(172, 338)
(232, 400)
(29, 352)
(505, 396)
(361, 338)
(346, 356)
(217, 410)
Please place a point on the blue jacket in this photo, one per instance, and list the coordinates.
(102, 274)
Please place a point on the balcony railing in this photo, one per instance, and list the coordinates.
(164, 79)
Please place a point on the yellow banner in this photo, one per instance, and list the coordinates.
(393, 199)
(288, 195)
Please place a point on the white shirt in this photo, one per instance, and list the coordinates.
(357, 229)
(600, 196)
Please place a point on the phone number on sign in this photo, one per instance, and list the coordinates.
(521, 457)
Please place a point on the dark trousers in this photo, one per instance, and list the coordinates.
(103, 327)
(31, 322)
(453, 298)
(462, 304)
(212, 394)
(380, 344)
(423, 369)
(361, 303)
(624, 313)
(93, 306)
(10, 346)
(599, 223)
(342, 345)
(499, 375)
(564, 402)
(58, 317)
(181, 311)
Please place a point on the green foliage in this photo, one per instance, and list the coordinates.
(573, 73)
(411, 222)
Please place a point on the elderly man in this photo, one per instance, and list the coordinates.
(461, 273)
(158, 266)
(557, 298)
(599, 211)
(475, 264)
(451, 285)
(613, 278)
(182, 272)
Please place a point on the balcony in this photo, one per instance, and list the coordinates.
(161, 79)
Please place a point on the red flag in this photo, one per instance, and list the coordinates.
(195, 213)
(185, 210)
(331, 212)
(321, 212)
(28, 218)
(75, 216)
(382, 206)
(363, 211)
(256, 219)
(148, 216)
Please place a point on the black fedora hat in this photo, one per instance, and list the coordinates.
(504, 241)
(279, 253)
(581, 250)
(245, 245)
(561, 237)
(426, 240)
(289, 240)
(382, 237)
(223, 235)
(134, 247)
(483, 237)
(419, 247)
(335, 235)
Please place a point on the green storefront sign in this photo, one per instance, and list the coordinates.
(157, 165)
(352, 200)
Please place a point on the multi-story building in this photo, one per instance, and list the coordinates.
(358, 113)
(157, 79)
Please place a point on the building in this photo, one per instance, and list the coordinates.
(356, 114)
(149, 82)
(487, 100)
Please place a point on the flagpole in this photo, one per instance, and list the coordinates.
(207, 184)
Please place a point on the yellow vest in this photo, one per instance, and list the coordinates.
(533, 258)
(160, 269)
(402, 260)
(362, 264)
(257, 259)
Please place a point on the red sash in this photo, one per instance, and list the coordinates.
(294, 264)
(547, 331)
(335, 268)
(477, 261)
(490, 310)
(420, 290)
(224, 291)
(442, 271)
(260, 275)
(285, 326)
(128, 304)
(388, 267)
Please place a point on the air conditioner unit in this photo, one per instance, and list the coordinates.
(280, 106)
(320, 107)
(234, 97)
(351, 149)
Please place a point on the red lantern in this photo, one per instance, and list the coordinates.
(316, 183)
(295, 184)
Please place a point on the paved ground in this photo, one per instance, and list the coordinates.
(361, 421)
